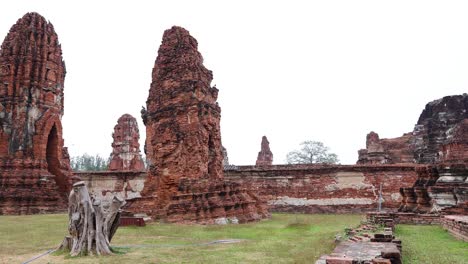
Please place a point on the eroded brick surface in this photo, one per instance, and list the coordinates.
(434, 127)
(126, 154)
(327, 188)
(386, 150)
(34, 165)
(265, 156)
(440, 135)
(457, 225)
(441, 188)
(183, 142)
(455, 149)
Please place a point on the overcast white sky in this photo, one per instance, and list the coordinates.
(330, 71)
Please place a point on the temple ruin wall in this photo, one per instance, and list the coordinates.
(292, 188)
(326, 189)
(126, 184)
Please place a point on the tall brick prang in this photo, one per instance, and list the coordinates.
(185, 179)
(126, 154)
(34, 165)
(265, 156)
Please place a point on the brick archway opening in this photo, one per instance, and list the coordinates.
(53, 158)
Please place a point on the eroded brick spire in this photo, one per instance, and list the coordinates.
(126, 154)
(185, 180)
(34, 164)
(265, 156)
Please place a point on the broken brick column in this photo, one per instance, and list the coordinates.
(386, 150)
(34, 166)
(185, 180)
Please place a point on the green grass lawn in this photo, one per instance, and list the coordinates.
(285, 238)
(430, 245)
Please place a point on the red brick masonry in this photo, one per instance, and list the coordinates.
(326, 189)
(34, 164)
(457, 225)
(185, 181)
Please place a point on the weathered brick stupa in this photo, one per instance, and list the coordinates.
(439, 136)
(265, 156)
(440, 140)
(185, 180)
(386, 150)
(434, 126)
(126, 154)
(34, 165)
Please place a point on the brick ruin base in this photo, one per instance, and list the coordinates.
(197, 200)
(406, 218)
(368, 243)
(457, 225)
(441, 188)
(30, 191)
(205, 202)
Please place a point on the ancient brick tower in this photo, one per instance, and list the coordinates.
(125, 154)
(185, 179)
(435, 128)
(440, 140)
(265, 156)
(34, 165)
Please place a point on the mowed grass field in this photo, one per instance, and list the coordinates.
(430, 244)
(285, 238)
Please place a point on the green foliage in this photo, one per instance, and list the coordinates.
(87, 162)
(430, 245)
(310, 153)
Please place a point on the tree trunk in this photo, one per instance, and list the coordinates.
(90, 225)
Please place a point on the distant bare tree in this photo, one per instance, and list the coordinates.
(312, 152)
